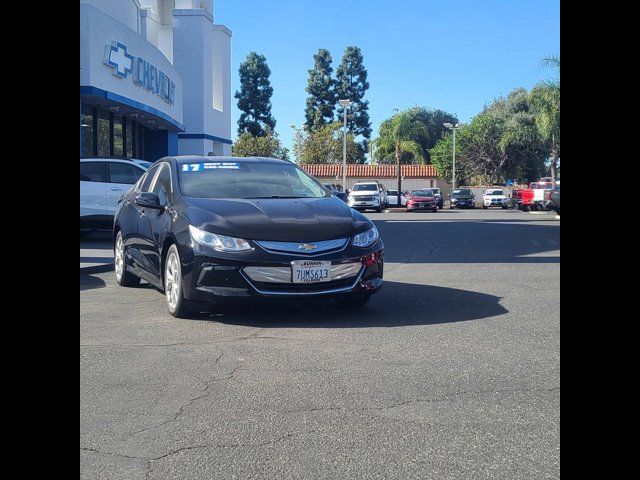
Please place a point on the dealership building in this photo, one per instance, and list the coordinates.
(155, 79)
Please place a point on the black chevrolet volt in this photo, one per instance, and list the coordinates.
(232, 230)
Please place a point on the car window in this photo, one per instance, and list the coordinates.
(124, 173)
(162, 184)
(146, 181)
(364, 186)
(92, 172)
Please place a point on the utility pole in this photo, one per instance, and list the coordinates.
(345, 104)
(454, 128)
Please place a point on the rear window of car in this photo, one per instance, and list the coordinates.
(124, 173)
(92, 172)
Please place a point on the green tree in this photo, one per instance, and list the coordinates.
(321, 101)
(403, 133)
(499, 143)
(267, 145)
(254, 96)
(324, 144)
(432, 119)
(351, 84)
(545, 100)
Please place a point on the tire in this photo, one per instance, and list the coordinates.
(450, 207)
(484, 207)
(378, 209)
(435, 210)
(176, 303)
(353, 300)
(124, 278)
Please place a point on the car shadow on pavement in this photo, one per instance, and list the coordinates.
(396, 305)
(89, 282)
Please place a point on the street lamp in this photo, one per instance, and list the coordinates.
(298, 148)
(345, 104)
(454, 128)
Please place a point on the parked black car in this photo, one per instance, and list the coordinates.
(336, 192)
(228, 229)
(462, 198)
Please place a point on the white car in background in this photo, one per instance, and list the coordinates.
(102, 182)
(392, 197)
(495, 197)
(368, 195)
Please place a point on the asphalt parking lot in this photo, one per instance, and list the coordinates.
(451, 372)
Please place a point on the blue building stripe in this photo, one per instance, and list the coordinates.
(207, 136)
(98, 92)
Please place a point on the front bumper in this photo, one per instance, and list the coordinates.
(264, 275)
(462, 203)
(496, 203)
(422, 206)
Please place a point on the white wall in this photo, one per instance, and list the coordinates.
(127, 12)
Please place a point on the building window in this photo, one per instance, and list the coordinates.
(128, 138)
(104, 130)
(86, 126)
(118, 150)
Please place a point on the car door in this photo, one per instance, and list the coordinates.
(120, 177)
(154, 224)
(93, 194)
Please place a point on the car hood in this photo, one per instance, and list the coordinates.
(363, 192)
(277, 219)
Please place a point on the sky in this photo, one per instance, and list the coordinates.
(453, 55)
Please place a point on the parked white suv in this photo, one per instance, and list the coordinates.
(369, 194)
(495, 197)
(102, 182)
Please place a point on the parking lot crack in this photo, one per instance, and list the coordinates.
(205, 392)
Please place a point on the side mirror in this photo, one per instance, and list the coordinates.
(149, 200)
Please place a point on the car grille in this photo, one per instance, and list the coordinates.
(363, 198)
(303, 287)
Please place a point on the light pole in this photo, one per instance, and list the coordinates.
(298, 148)
(345, 104)
(454, 128)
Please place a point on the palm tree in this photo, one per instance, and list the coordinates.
(545, 100)
(404, 136)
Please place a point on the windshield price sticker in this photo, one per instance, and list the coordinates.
(198, 167)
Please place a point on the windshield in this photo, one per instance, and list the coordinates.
(494, 192)
(144, 164)
(364, 186)
(232, 179)
(462, 192)
(421, 193)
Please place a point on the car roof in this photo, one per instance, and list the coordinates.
(203, 158)
(112, 159)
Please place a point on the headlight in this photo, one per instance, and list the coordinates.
(221, 243)
(365, 239)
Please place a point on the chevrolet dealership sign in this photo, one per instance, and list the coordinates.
(143, 73)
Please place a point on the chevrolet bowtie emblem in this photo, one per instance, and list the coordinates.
(306, 246)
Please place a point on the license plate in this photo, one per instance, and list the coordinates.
(310, 271)
(362, 203)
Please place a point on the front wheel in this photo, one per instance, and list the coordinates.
(434, 210)
(173, 291)
(353, 300)
(484, 207)
(124, 278)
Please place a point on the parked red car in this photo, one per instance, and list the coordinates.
(422, 200)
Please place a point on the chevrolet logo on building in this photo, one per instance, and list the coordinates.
(306, 246)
